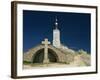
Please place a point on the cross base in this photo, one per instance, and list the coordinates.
(46, 61)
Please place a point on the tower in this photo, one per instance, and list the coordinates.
(56, 35)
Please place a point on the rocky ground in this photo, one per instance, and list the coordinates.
(54, 65)
(79, 61)
(45, 65)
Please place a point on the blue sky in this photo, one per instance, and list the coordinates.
(74, 27)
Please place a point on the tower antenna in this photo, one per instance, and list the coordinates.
(56, 22)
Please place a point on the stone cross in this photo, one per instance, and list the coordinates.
(46, 42)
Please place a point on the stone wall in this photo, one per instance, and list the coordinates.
(61, 56)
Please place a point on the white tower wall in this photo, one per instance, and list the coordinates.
(56, 38)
